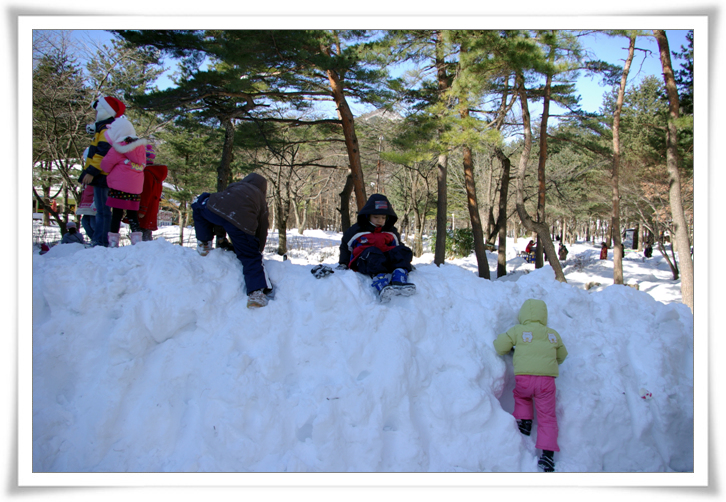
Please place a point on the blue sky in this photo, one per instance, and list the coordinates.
(614, 50)
(610, 49)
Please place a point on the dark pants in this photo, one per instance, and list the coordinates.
(102, 225)
(117, 215)
(246, 246)
(88, 223)
(373, 261)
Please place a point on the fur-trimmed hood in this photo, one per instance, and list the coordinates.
(123, 147)
(132, 151)
(116, 134)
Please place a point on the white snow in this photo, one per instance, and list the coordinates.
(145, 359)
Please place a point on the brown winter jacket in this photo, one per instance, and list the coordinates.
(244, 204)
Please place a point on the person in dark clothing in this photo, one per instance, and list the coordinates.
(562, 252)
(372, 246)
(72, 235)
(241, 209)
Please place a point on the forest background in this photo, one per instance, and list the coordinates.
(531, 8)
(451, 134)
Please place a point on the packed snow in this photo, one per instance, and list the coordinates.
(146, 359)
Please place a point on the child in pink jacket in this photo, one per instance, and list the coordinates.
(124, 164)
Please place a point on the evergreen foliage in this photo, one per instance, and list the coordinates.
(244, 100)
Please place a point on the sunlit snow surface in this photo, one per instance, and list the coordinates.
(146, 359)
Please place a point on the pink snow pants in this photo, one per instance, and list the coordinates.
(541, 390)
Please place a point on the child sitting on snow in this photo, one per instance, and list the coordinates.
(538, 353)
(72, 234)
(373, 246)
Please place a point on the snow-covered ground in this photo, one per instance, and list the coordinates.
(145, 359)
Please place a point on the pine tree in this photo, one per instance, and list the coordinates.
(60, 112)
(682, 239)
(249, 70)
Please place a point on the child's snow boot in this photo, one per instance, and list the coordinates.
(400, 278)
(525, 426)
(224, 243)
(256, 299)
(113, 239)
(380, 282)
(136, 237)
(546, 461)
(399, 285)
(204, 247)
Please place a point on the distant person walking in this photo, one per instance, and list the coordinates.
(604, 252)
(562, 252)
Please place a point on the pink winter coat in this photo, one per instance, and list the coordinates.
(85, 206)
(124, 164)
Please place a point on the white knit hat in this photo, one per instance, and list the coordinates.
(119, 130)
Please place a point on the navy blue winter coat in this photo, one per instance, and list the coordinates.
(376, 204)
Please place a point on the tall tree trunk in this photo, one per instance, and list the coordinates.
(274, 216)
(351, 140)
(417, 236)
(682, 238)
(296, 214)
(345, 203)
(541, 164)
(416, 222)
(441, 208)
(671, 264)
(502, 219)
(47, 203)
(587, 236)
(617, 241)
(301, 227)
(441, 205)
(540, 228)
(281, 219)
(182, 223)
(638, 234)
(479, 249)
(224, 173)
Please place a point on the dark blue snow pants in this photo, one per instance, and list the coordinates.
(373, 261)
(246, 246)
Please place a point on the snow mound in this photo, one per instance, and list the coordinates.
(146, 359)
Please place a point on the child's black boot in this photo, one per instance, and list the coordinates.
(547, 461)
(525, 426)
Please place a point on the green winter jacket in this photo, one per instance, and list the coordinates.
(538, 349)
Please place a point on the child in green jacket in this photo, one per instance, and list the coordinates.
(538, 353)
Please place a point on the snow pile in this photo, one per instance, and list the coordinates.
(146, 359)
